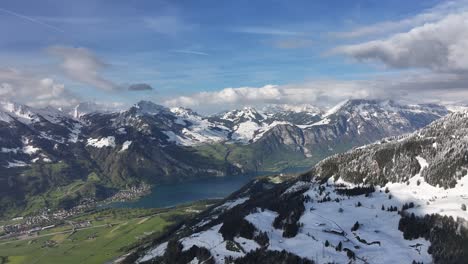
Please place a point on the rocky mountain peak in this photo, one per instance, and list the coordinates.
(11, 110)
(148, 107)
(302, 108)
(183, 112)
(245, 114)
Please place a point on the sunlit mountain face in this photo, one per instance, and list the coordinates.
(233, 131)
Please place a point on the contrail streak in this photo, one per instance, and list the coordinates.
(30, 19)
(190, 52)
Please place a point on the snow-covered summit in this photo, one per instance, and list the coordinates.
(244, 114)
(20, 112)
(301, 108)
(148, 107)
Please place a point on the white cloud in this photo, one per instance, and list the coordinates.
(81, 65)
(421, 87)
(33, 90)
(440, 46)
(320, 93)
(427, 16)
(232, 96)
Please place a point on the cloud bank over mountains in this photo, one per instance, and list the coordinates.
(440, 46)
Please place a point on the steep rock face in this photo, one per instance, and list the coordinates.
(402, 199)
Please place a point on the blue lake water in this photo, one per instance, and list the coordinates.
(167, 195)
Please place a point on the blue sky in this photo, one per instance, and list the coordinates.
(94, 50)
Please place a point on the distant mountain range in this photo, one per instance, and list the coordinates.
(90, 153)
(398, 200)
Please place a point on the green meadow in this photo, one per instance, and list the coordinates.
(112, 233)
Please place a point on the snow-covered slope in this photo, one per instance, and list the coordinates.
(33, 133)
(400, 200)
(302, 128)
(158, 144)
(198, 129)
(10, 111)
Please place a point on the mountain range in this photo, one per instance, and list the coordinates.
(63, 156)
(400, 199)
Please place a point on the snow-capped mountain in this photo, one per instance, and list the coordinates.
(29, 135)
(304, 130)
(198, 129)
(249, 124)
(350, 123)
(399, 200)
(152, 143)
(295, 114)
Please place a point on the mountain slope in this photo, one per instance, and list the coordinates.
(401, 200)
(43, 151)
(351, 123)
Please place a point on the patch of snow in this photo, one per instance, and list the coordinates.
(122, 131)
(150, 108)
(432, 199)
(230, 204)
(75, 132)
(212, 240)
(156, 252)
(125, 145)
(194, 261)
(9, 150)
(300, 185)
(324, 121)
(247, 244)
(335, 109)
(30, 150)
(22, 113)
(173, 137)
(16, 163)
(102, 142)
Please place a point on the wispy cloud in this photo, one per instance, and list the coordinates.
(80, 64)
(193, 52)
(32, 20)
(268, 31)
(71, 20)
